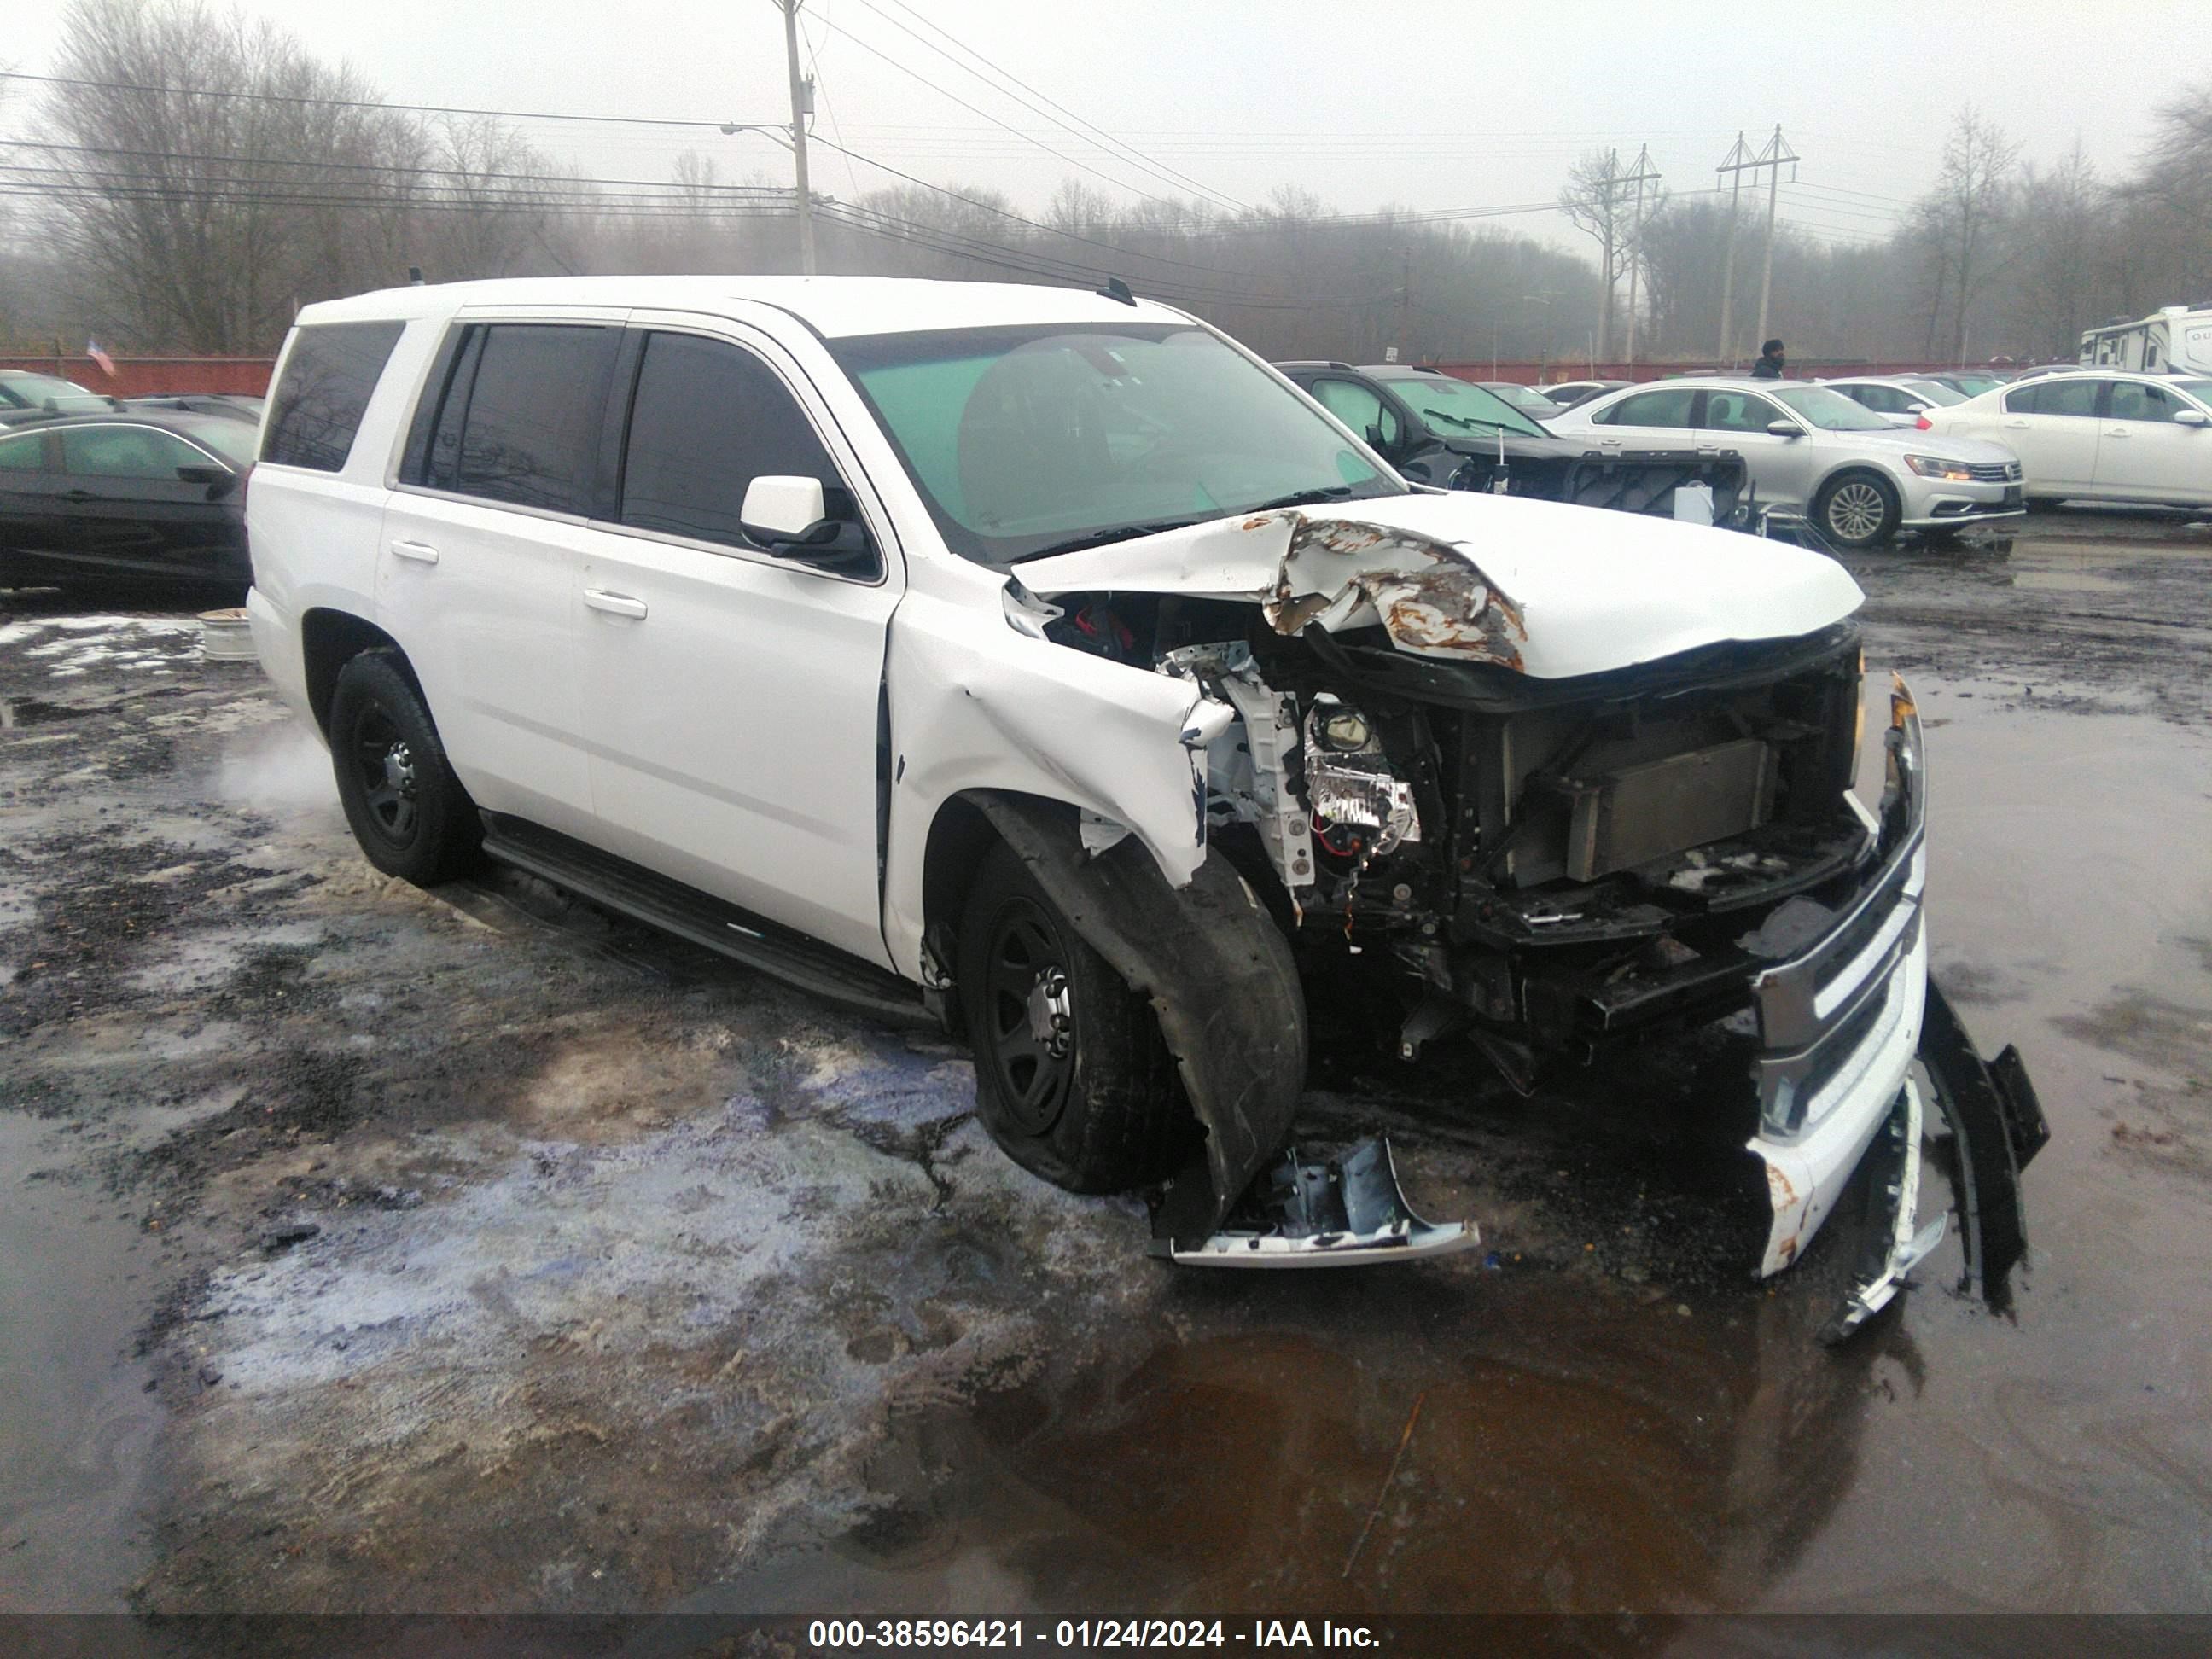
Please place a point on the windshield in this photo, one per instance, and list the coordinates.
(26, 391)
(2200, 390)
(1527, 400)
(1831, 409)
(1029, 440)
(1452, 409)
(1975, 385)
(1934, 392)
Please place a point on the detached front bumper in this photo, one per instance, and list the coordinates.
(1841, 1025)
(1839, 1022)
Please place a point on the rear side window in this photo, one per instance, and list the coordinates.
(522, 415)
(707, 419)
(2076, 397)
(317, 406)
(1668, 408)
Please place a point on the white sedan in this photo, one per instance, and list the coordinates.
(2105, 437)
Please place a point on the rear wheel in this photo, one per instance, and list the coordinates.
(1857, 510)
(1073, 1078)
(409, 813)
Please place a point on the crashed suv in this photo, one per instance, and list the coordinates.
(1044, 663)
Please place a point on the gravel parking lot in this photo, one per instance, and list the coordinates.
(378, 1250)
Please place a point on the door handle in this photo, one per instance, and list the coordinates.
(2117, 432)
(2017, 426)
(615, 604)
(420, 552)
(76, 495)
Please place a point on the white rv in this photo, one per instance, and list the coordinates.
(2177, 339)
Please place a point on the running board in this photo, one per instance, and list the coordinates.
(724, 928)
(1346, 1210)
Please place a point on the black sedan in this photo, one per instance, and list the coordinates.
(1437, 429)
(126, 495)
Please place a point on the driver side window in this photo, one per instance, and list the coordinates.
(1362, 411)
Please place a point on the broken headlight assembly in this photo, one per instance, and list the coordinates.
(1349, 782)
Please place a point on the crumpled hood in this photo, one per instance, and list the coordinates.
(1550, 590)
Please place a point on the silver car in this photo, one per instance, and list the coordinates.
(1814, 452)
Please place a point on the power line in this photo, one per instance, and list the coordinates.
(1167, 175)
(1061, 154)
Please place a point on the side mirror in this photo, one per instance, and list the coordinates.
(2191, 418)
(1784, 429)
(799, 516)
(1915, 409)
(219, 480)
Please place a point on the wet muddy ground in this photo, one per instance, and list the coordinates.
(366, 1248)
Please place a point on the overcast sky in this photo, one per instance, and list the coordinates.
(1437, 106)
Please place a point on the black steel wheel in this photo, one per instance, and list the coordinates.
(409, 813)
(1073, 1078)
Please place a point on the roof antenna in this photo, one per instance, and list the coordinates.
(1116, 288)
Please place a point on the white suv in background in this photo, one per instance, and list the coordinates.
(1044, 662)
(1812, 450)
(2098, 434)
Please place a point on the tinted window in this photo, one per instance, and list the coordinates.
(2077, 396)
(707, 419)
(316, 408)
(1738, 411)
(2134, 401)
(1359, 409)
(1879, 398)
(21, 454)
(1667, 408)
(125, 452)
(533, 411)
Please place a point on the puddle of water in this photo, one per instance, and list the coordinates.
(75, 1423)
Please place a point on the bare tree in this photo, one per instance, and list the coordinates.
(1961, 222)
(2071, 213)
(1598, 203)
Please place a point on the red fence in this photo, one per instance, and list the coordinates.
(139, 377)
(1801, 368)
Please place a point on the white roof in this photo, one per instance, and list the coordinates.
(834, 305)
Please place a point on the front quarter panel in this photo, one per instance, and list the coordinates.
(976, 704)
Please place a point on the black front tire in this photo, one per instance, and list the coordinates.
(1858, 510)
(1073, 1078)
(409, 813)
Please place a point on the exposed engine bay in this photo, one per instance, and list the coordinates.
(1545, 864)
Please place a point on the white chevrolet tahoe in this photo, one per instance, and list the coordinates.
(1043, 662)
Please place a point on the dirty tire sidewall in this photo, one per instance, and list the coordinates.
(1121, 1119)
(1867, 503)
(432, 833)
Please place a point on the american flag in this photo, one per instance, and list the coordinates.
(107, 363)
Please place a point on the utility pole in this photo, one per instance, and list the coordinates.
(802, 101)
(1776, 152)
(1643, 175)
(1406, 309)
(1605, 310)
(1733, 164)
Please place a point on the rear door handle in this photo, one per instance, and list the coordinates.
(2017, 426)
(615, 604)
(76, 495)
(2117, 432)
(420, 552)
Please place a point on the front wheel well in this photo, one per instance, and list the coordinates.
(960, 838)
(330, 639)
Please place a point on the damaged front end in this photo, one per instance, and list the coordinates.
(1537, 834)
